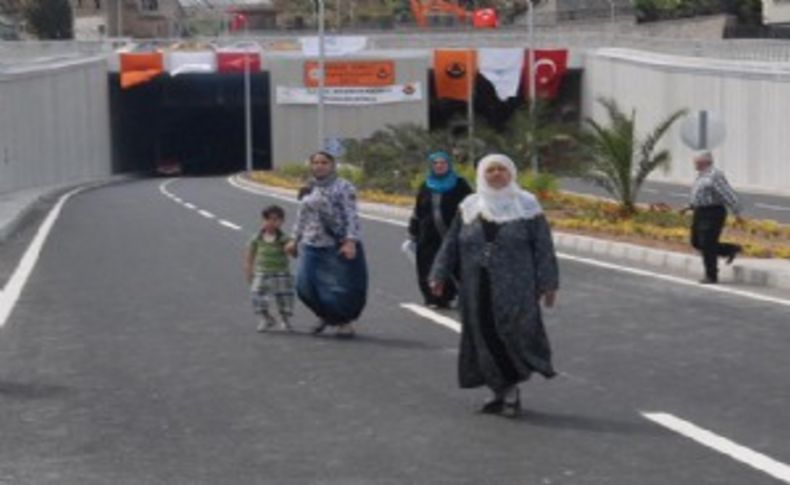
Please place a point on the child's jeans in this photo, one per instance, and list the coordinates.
(273, 286)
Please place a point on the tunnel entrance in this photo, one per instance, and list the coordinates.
(191, 124)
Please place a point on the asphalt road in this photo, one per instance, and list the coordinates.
(755, 205)
(131, 358)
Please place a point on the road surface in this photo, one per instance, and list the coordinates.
(131, 357)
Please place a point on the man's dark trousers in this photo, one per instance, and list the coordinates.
(706, 227)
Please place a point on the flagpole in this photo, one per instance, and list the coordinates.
(321, 76)
(531, 85)
(470, 104)
(247, 103)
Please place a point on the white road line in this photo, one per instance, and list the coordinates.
(679, 195)
(230, 225)
(233, 182)
(13, 288)
(190, 206)
(433, 316)
(578, 259)
(772, 207)
(723, 445)
(206, 214)
(675, 279)
(178, 199)
(650, 191)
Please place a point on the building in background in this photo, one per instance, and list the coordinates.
(776, 12)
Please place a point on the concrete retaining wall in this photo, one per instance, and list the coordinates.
(54, 124)
(752, 98)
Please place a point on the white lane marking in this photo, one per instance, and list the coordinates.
(679, 195)
(675, 279)
(434, 316)
(204, 213)
(772, 207)
(230, 225)
(578, 259)
(232, 181)
(650, 191)
(13, 288)
(723, 445)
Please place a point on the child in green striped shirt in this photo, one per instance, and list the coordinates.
(268, 273)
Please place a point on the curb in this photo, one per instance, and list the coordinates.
(688, 265)
(28, 199)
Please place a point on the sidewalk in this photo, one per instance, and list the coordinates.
(770, 273)
(15, 206)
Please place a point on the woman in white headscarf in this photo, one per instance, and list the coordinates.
(502, 243)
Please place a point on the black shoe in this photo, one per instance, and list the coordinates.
(319, 327)
(732, 255)
(493, 406)
(708, 281)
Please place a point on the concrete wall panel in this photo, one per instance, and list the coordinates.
(54, 124)
(753, 99)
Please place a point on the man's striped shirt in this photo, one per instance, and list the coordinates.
(712, 189)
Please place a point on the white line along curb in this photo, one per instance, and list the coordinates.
(13, 288)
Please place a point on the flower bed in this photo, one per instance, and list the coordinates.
(655, 225)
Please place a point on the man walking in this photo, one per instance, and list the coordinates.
(711, 196)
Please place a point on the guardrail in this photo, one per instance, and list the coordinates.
(767, 50)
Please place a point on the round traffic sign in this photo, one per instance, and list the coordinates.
(702, 130)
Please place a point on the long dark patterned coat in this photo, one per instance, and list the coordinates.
(423, 230)
(520, 265)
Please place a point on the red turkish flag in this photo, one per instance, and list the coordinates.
(550, 67)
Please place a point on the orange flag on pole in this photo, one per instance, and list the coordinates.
(140, 67)
(454, 71)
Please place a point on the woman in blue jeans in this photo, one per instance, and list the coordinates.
(331, 275)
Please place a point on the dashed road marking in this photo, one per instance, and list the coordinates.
(208, 215)
(230, 225)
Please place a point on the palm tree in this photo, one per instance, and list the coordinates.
(619, 163)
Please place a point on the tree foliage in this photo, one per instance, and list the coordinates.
(619, 162)
(49, 19)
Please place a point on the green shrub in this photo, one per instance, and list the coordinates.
(49, 19)
(295, 170)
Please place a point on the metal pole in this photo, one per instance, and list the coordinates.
(470, 104)
(119, 19)
(531, 84)
(247, 104)
(321, 74)
(612, 17)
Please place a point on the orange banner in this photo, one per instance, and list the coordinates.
(454, 70)
(351, 73)
(139, 67)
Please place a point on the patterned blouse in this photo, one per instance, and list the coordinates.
(712, 189)
(327, 215)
